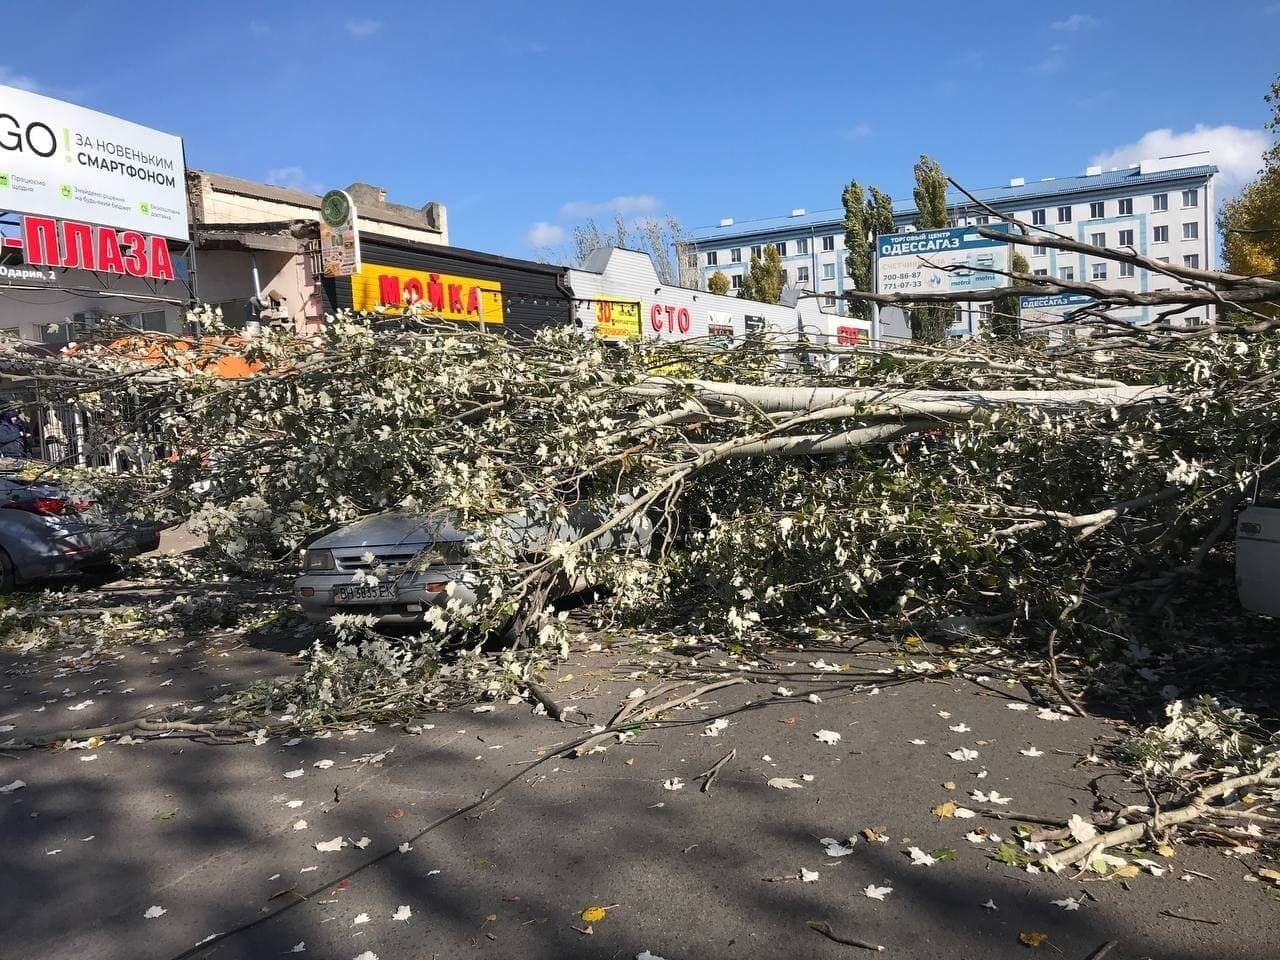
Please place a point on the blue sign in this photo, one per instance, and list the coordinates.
(1055, 301)
(940, 261)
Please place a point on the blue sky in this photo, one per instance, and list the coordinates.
(524, 117)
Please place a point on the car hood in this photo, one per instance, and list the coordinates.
(392, 529)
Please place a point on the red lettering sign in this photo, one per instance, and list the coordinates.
(47, 242)
(677, 318)
(848, 336)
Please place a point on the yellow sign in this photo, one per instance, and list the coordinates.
(617, 319)
(465, 299)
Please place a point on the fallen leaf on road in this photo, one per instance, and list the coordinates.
(1030, 938)
(10, 787)
(964, 813)
(646, 955)
(360, 918)
(1031, 752)
(1081, 829)
(405, 848)
(484, 708)
(784, 691)
(835, 848)
(329, 846)
(814, 698)
(917, 743)
(361, 843)
(713, 729)
(636, 694)
(298, 947)
(808, 876)
(321, 765)
(300, 825)
(153, 912)
(919, 858)
(992, 797)
(1044, 713)
(990, 905)
(293, 774)
(961, 728)
(974, 837)
(1070, 903)
(402, 913)
(367, 955)
(874, 836)
(395, 814)
(1017, 706)
(1127, 872)
(675, 783)
(829, 737)
(593, 914)
(945, 810)
(294, 804)
(785, 783)
(81, 705)
(963, 754)
(948, 785)
(876, 893)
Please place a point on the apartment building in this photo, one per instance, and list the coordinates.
(1162, 208)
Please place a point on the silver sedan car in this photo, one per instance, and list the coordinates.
(397, 565)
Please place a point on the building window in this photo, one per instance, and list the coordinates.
(1126, 207)
(802, 274)
(1164, 259)
(784, 277)
(1126, 270)
(828, 243)
(1038, 251)
(828, 301)
(1037, 217)
(1160, 235)
(802, 246)
(1098, 239)
(153, 321)
(1064, 214)
(1066, 273)
(736, 281)
(782, 248)
(1040, 272)
(713, 258)
(1191, 260)
(1126, 238)
(983, 220)
(828, 271)
(1099, 271)
(735, 255)
(1191, 231)
(1190, 198)
(1159, 201)
(1097, 210)
(757, 251)
(54, 332)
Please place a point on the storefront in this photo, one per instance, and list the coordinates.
(619, 296)
(515, 297)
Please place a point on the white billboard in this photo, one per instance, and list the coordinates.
(60, 160)
(940, 261)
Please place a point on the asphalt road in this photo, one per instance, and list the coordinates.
(220, 836)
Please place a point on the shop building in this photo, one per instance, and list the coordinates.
(1162, 208)
(618, 295)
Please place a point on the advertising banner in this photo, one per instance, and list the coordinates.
(64, 161)
(466, 299)
(339, 235)
(916, 261)
(617, 319)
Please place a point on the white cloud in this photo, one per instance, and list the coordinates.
(1236, 150)
(1053, 61)
(364, 27)
(295, 178)
(1077, 21)
(624, 205)
(10, 78)
(859, 132)
(544, 234)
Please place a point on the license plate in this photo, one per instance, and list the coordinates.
(364, 593)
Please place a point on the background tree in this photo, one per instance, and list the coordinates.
(869, 212)
(929, 323)
(1250, 223)
(718, 283)
(1006, 314)
(763, 280)
(659, 238)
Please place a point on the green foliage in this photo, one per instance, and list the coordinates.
(718, 283)
(869, 212)
(929, 324)
(763, 278)
(1006, 318)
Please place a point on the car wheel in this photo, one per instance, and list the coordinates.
(8, 576)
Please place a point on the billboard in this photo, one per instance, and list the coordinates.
(914, 262)
(64, 161)
(617, 319)
(442, 295)
(1053, 302)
